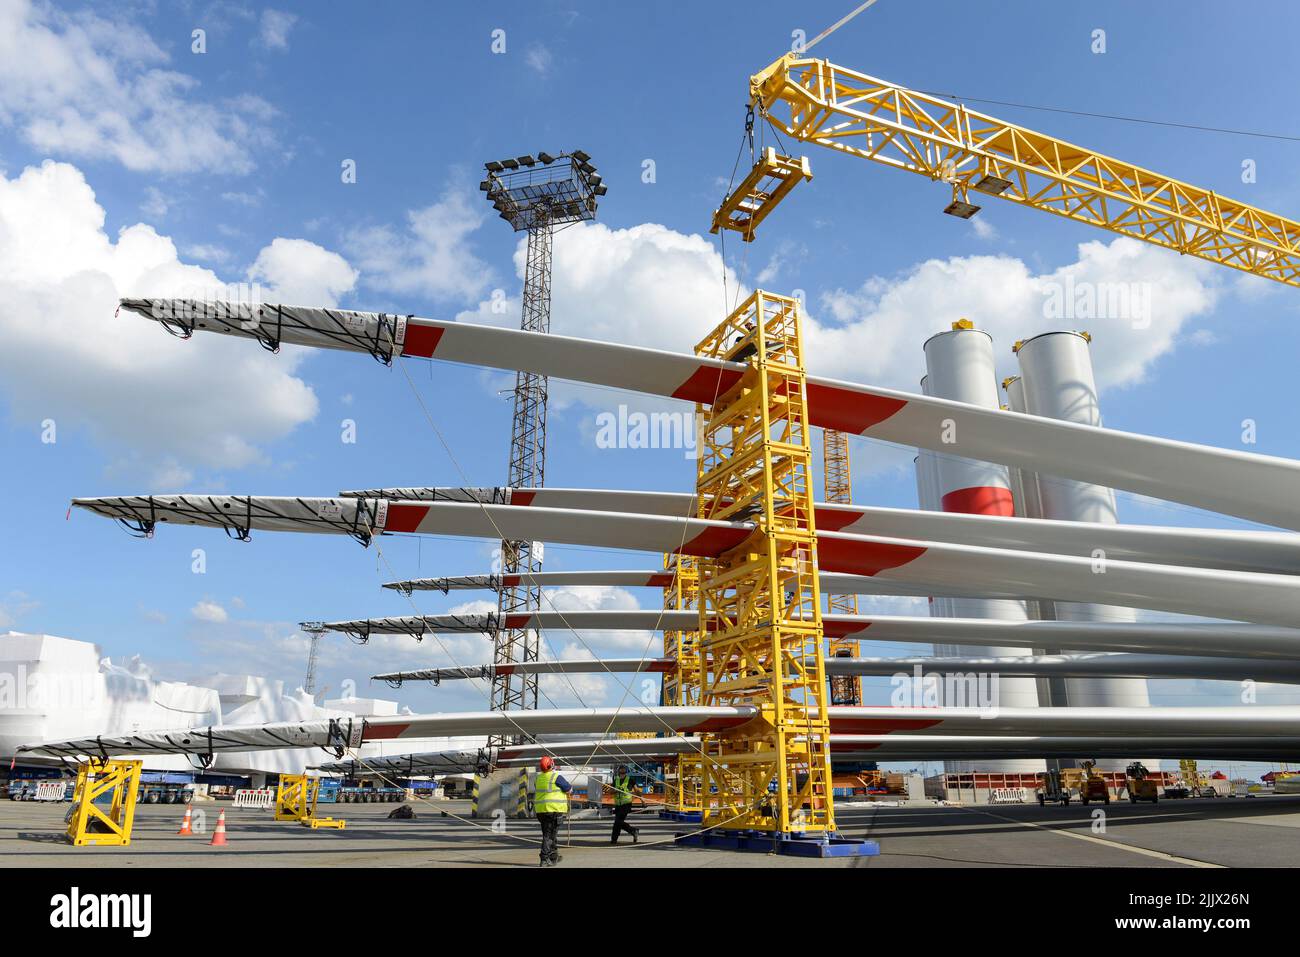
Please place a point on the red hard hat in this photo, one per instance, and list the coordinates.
(545, 764)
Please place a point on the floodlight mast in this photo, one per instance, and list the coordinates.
(538, 195)
(315, 630)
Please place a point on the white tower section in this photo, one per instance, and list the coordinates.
(1056, 371)
(959, 365)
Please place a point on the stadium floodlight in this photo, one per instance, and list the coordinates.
(537, 198)
(580, 156)
(546, 189)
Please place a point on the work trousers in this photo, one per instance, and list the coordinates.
(550, 822)
(621, 811)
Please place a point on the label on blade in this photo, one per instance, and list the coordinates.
(381, 515)
(329, 510)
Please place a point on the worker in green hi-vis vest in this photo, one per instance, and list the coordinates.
(550, 803)
(622, 786)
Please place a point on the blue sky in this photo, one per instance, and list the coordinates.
(233, 157)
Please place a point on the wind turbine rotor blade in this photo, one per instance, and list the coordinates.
(1213, 639)
(1257, 551)
(1256, 487)
(1243, 596)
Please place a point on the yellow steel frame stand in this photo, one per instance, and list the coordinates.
(88, 823)
(683, 777)
(760, 604)
(295, 800)
(845, 689)
(767, 783)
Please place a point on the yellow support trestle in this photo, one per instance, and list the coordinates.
(683, 777)
(295, 800)
(89, 824)
(760, 605)
(845, 689)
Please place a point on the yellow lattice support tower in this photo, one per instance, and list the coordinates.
(760, 603)
(295, 800)
(683, 777)
(845, 689)
(89, 823)
(819, 102)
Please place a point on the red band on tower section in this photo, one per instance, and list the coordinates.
(980, 500)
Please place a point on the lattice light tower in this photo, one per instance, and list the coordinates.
(539, 195)
(315, 630)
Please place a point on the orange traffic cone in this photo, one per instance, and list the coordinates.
(219, 835)
(185, 824)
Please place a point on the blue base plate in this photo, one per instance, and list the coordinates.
(765, 842)
(685, 817)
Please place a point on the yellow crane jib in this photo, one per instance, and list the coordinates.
(771, 179)
(842, 109)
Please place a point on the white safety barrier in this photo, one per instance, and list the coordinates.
(1009, 796)
(51, 790)
(255, 797)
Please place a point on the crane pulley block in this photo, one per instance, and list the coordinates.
(772, 177)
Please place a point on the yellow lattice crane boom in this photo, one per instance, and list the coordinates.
(845, 689)
(818, 102)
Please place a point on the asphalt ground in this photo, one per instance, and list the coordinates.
(1223, 832)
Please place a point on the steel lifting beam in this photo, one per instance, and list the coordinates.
(295, 800)
(760, 603)
(89, 823)
(772, 177)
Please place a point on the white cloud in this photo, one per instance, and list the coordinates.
(63, 356)
(273, 30)
(14, 606)
(155, 205)
(882, 324)
(209, 611)
(208, 252)
(82, 85)
(652, 286)
(431, 257)
(299, 272)
(539, 60)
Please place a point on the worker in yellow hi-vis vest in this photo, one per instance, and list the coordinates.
(622, 787)
(550, 803)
